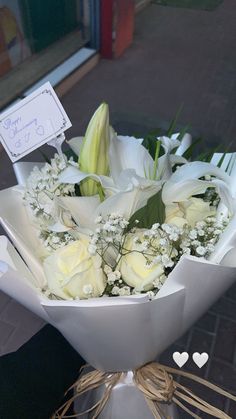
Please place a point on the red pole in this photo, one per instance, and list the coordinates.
(106, 28)
(117, 25)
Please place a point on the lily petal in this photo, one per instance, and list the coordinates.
(196, 169)
(73, 175)
(176, 159)
(164, 170)
(177, 192)
(185, 181)
(82, 209)
(229, 165)
(75, 144)
(58, 227)
(169, 143)
(185, 143)
(133, 194)
(167, 160)
(225, 194)
(126, 153)
(128, 202)
(232, 173)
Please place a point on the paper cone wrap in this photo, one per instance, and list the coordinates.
(110, 333)
(123, 333)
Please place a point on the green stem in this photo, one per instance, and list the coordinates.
(158, 146)
(101, 192)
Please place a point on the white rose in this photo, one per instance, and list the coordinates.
(72, 272)
(174, 215)
(190, 211)
(133, 268)
(196, 210)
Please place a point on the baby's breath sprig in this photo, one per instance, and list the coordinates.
(41, 189)
(53, 240)
(108, 242)
(115, 284)
(43, 186)
(108, 238)
(202, 238)
(160, 248)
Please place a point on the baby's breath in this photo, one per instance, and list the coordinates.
(162, 246)
(53, 241)
(43, 185)
(41, 189)
(108, 234)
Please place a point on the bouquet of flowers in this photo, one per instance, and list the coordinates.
(124, 243)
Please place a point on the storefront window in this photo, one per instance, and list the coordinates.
(35, 37)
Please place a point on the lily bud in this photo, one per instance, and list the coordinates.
(94, 153)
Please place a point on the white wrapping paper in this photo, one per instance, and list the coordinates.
(120, 334)
(115, 333)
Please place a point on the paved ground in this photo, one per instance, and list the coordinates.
(214, 333)
(178, 56)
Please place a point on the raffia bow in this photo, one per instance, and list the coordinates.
(158, 386)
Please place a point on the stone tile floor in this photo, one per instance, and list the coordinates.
(17, 324)
(214, 333)
(178, 55)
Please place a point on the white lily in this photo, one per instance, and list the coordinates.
(186, 182)
(228, 165)
(127, 152)
(134, 177)
(131, 194)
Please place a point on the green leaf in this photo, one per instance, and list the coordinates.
(232, 159)
(46, 158)
(174, 122)
(189, 152)
(70, 153)
(208, 154)
(157, 152)
(150, 142)
(183, 132)
(221, 159)
(77, 190)
(223, 156)
(153, 212)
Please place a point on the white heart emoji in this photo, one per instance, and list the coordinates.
(200, 359)
(180, 358)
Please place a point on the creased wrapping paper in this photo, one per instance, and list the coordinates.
(17, 281)
(21, 230)
(120, 334)
(111, 333)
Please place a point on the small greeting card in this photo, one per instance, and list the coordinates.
(32, 122)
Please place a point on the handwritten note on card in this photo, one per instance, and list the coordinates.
(32, 122)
